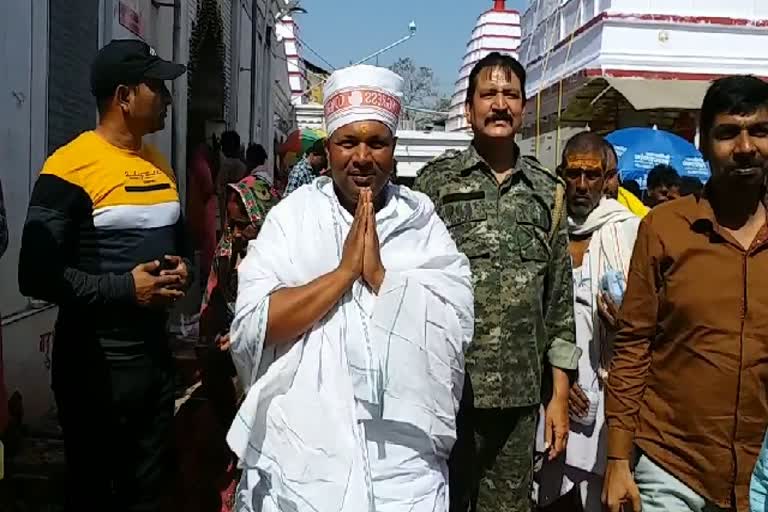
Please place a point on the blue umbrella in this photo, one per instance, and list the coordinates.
(641, 149)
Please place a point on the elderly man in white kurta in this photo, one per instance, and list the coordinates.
(602, 236)
(353, 315)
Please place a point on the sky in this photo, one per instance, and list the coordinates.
(344, 31)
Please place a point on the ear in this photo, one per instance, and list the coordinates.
(468, 112)
(123, 95)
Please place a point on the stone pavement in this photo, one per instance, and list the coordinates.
(35, 467)
(34, 470)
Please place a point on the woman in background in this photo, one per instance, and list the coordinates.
(209, 469)
(201, 206)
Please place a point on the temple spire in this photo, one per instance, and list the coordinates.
(498, 5)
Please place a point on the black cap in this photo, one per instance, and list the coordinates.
(129, 62)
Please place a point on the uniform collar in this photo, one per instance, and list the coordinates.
(473, 160)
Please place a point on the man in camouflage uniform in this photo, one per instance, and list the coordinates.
(502, 211)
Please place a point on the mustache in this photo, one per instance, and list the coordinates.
(498, 116)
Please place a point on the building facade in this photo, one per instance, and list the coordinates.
(610, 64)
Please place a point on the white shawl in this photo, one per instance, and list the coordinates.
(614, 229)
(401, 351)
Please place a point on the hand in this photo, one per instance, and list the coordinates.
(154, 290)
(607, 310)
(578, 403)
(354, 246)
(179, 269)
(556, 425)
(373, 269)
(222, 342)
(619, 488)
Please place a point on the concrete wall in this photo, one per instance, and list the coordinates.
(548, 150)
(23, 149)
(750, 9)
(416, 148)
(682, 37)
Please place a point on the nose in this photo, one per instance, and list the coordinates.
(499, 103)
(581, 183)
(362, 155)
(744, 144)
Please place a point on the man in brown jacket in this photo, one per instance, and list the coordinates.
(687, 385)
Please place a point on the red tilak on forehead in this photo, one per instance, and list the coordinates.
(583, 161)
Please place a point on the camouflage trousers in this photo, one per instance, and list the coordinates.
(491, 466)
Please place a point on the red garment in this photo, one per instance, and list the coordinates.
(202, 206)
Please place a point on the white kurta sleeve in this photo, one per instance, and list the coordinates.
(257, 279)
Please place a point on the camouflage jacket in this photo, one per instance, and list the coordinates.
(523, 284)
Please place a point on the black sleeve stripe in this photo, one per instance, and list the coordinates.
(54, 193)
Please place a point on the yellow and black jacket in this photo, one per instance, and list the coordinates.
(96, 212)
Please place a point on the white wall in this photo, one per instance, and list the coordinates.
(549, 151)
(638, 43)
(23, 141)
(716, 8)
(23, 149)
(416, 148)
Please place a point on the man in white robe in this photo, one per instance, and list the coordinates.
(354, 310)
(602, 236)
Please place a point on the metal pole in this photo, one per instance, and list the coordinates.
(386, 49)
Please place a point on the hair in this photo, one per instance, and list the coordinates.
(586, 142)
(102, 102)
(318, 148)
(495, 60)
(663, 174)
(691, 186)
(632, 186)
(104, 98)
(256, 155)
(734, 95)
(230, 144)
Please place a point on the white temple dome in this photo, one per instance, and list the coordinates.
(496, 30)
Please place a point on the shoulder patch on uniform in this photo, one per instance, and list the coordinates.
(535, 164)
(448, 154)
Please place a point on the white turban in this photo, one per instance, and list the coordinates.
(362, 93)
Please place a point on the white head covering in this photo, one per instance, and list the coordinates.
(362, 93)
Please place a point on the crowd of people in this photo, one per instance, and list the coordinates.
(501, 337)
